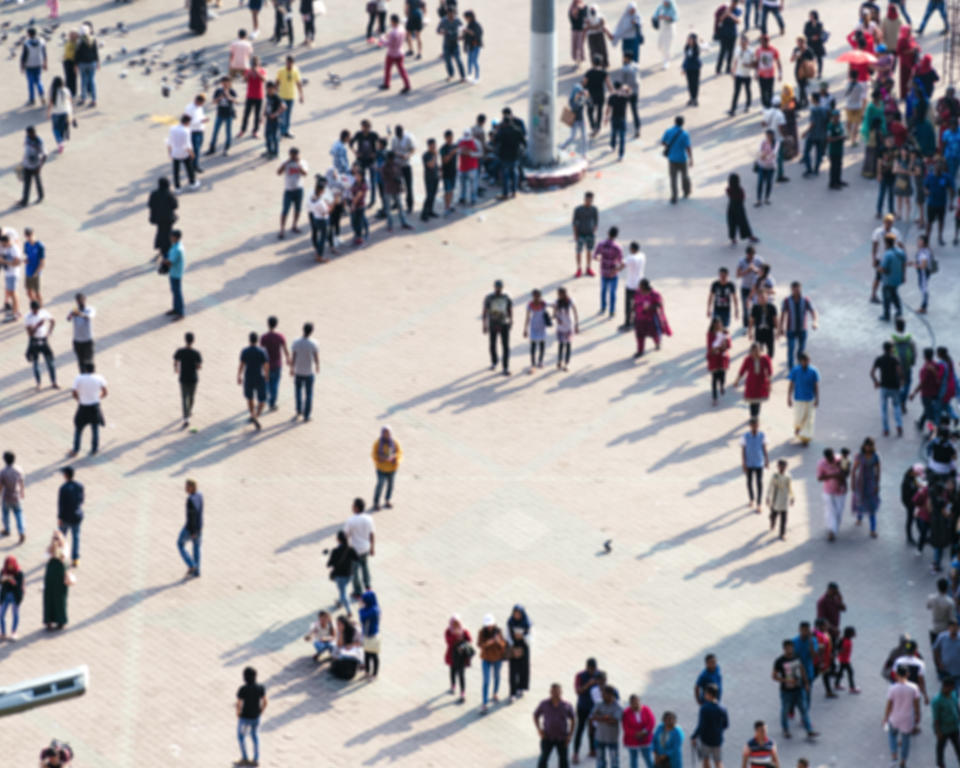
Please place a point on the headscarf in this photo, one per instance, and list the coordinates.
(513, 623)
(594, 17)
(892, 12)
(10, 565)
(925, 66)
(786, 97)
(369, 614)
(58, 546)
(386, 446)
(627, 24)
(455, 623)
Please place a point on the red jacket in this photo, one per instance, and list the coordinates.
(452, 640)
(638, 727)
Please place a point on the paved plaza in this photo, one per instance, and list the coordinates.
(509, 486)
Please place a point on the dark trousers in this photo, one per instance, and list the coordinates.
(693, 83)
(503, 332)
(771, 11)
(755, 472)
(520, 669)
(431, 183)
(161, 240)
(595, 110)
(378, 17)
(70, 76)
(836, 167)
(547, 746)
(303, 392)
(407, 172)
(679, 169)
(782, 514)
(737, 222)
(909, 526)
(196, 141)
(309, 27)
(191, 173)
(726, 52)
(765, 338)
(632, 101)
(456, 671)
(371, 663)
(817, 145)
(251, 105)
(738, 83)
(29, 174)
(187, 390)
(845, 667)
(745, 305)
(84, 351)
(583, 722)
(942, 739)
(318, 234)
(718, 380)
(629, 314)
(766, 91)
(802, 101)
(40, 348)
(891, 297)
(271, 134)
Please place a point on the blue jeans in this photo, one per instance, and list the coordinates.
(618, 130)
(893, 395)
(468, 183)
(771, 11)
(891, 295)
(292, 198)
(60, 124)
(724, 314)
(473, 62)
(245, 725)
(578, 127)
(9, 600)
(904, 736)
(285, 117)
(886, 190)
(17, 514)
(793, 700)
(273, 386)
(227, 122)
(764, 178)
(196, 143)
(451, 55)
(608, 286)
(905, 389)
(342, 582)
(614, 751)
(491, 667)
(88, 85)
(755, 4)
(303, 390)
(176, 288)
(74, 528)
(321, 646)
(34, 83)
(384, 482)
(360, 565)
(192, 562)
(509, 169)
(817, 145)
(796, 339)
(635, 753)
(934, 5)
(94, 443)
(389, 203)
(271, 130)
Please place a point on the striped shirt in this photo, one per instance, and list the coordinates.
(759, 753)
(611, 258)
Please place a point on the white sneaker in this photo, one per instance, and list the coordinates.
(195, 185)
(255, 34)
(176, 190)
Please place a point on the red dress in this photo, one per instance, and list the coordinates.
(718, 358)
(758, 372)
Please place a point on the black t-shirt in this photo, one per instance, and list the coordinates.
(253, 359)
(722, 293)
(577, 19)
(498, 307)
(272, 107)
(250, 694)
(189, 360)
(764, 318)
(431, 173)
(596, 81)
(366, 146)
(509, 140)
(889, 377)
(618, 107)
(942, 451)
(224, 105)
(791, 670)
(448, 156)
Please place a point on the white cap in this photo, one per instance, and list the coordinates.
(488, 620)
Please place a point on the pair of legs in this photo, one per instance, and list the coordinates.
(227, 123)
(451, 55)
(934, 6)
(618, 134)
(718, 380)
(608, 290)
(95, 438)
(782, 514)
(40, 348)
(794, 700)
(251, 106)
(456, 674)
(371, 663)
(546, 747)
(738, 83)
(361, 567)
(891, 297)
(292, 198)
(248, 726)
(31, 175)
(536, 354)
(796, 342)
(764, 181)
(563, 353)
(361, 227)
(303, 393)
(193, 563)
(893, 397)
(17, 511)
(468, 187)
(187, 163)
(255, 388)
(503, 333)
(679, 170)
(9, 602)
(755, 478)
(187, 391)
(273, 387)
(491, 673)
(389, 64)
(318, 235)
(176, 291)
(384, 485)
(74, 530)
(833, 504)
(817, 145)
(899, 739)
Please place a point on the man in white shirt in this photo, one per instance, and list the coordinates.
(744, 64)
(197, 119)
(82, 319)
(404, 145)
(181, 152)
(11, 259)
(89, 388)
(39, 324)
(360, 535)
(634, 267)
(304, 361)
(877, 239)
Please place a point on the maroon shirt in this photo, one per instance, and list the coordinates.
(273, 342)
(555, 719)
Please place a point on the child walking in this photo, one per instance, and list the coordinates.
(779, 497)
(843, 657)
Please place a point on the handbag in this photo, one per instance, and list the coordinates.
(371, 644)
(655, 21)
(567, 116)
(808, 70)
(70, 579)
(756, 167)
(933, 265)
(547, 320)
(465, 650)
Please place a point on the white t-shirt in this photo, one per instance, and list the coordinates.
(773, 118)
(38, 317)
(635, 263)
(405, 146)
(88, 386)
(880, 232)
(903, 695)
(318, 206)
(196, 116)
(302, 351)
(856, 96)
(292, 177)
(12, 253)
(83, 324)
(911, 661)
(743, 61)
(179, 142)
(359, 529)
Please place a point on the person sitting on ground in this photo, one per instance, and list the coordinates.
(322, 634)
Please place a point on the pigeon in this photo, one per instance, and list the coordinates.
(123, 73)
(165, 91)
(608, 545)
(123, 50)
(146, 70)
(333, 80)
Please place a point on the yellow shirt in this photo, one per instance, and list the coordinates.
(287, 82)
(387, 466)
(69, 50)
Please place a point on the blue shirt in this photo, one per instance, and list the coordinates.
(894, 263)
(707, 677)
(951, 143)
(937, 186)
(805, 651)
(678, 149)
(669, 744)
(35, 253)
(341, 161)
(175, 257)
(804, 380)
(753, 447)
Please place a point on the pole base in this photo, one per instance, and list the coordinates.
(562, 174)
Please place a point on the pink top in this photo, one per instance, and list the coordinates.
(833, 485)
(240, 52)
(394, 40)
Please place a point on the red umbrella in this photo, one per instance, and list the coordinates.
(857, 57)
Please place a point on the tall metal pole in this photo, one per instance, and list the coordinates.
(543, 83)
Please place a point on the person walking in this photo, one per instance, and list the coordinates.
(449, 27)
(387, 455)
(718, 356)
(906, 351)
(650, 319)
(793, 321)
(33, 63)
(629, 33)
(39, 325)
(765, 165)
(744, 62)
(250, 705)
(635, 265)
(163, 206)
(803, 395)
(278, 355)
(56, 584)
(577, 15)
(12, 494)
(726, 19)
(679, 153)
(60, 111)
(789, 673)
(252, 374)
(89, 388)
(780, 497)
(754, 459)
(192, 530)
(757, 371)
(293, 169)
(934, 6)
(492, 646)
(393, 41)
(11, 596)
(691, 68)
(518, 652)
(946, 720)
(893, 266)
(597, 83)
(496, 318)
(173, 263)
(832, 475)
(256, 78)
(304, 365)
(186, 364)
(712, 721)
(82, 318)
(472, 43)
(87, 58)
(617, 116)
(70, 61)
(865, 483)
(341, 563)
(70, 499)
(664, 17)
(180, 152)
(889, 383)
(458, 654)
(761, 751)
(610, 255)
(198, 118)
(586, 218)
(289, 88)
(414, 26)
(925, 263)
(901, 716)
(737, 223)
(555, 722)
(361, 534)
(34, 157)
